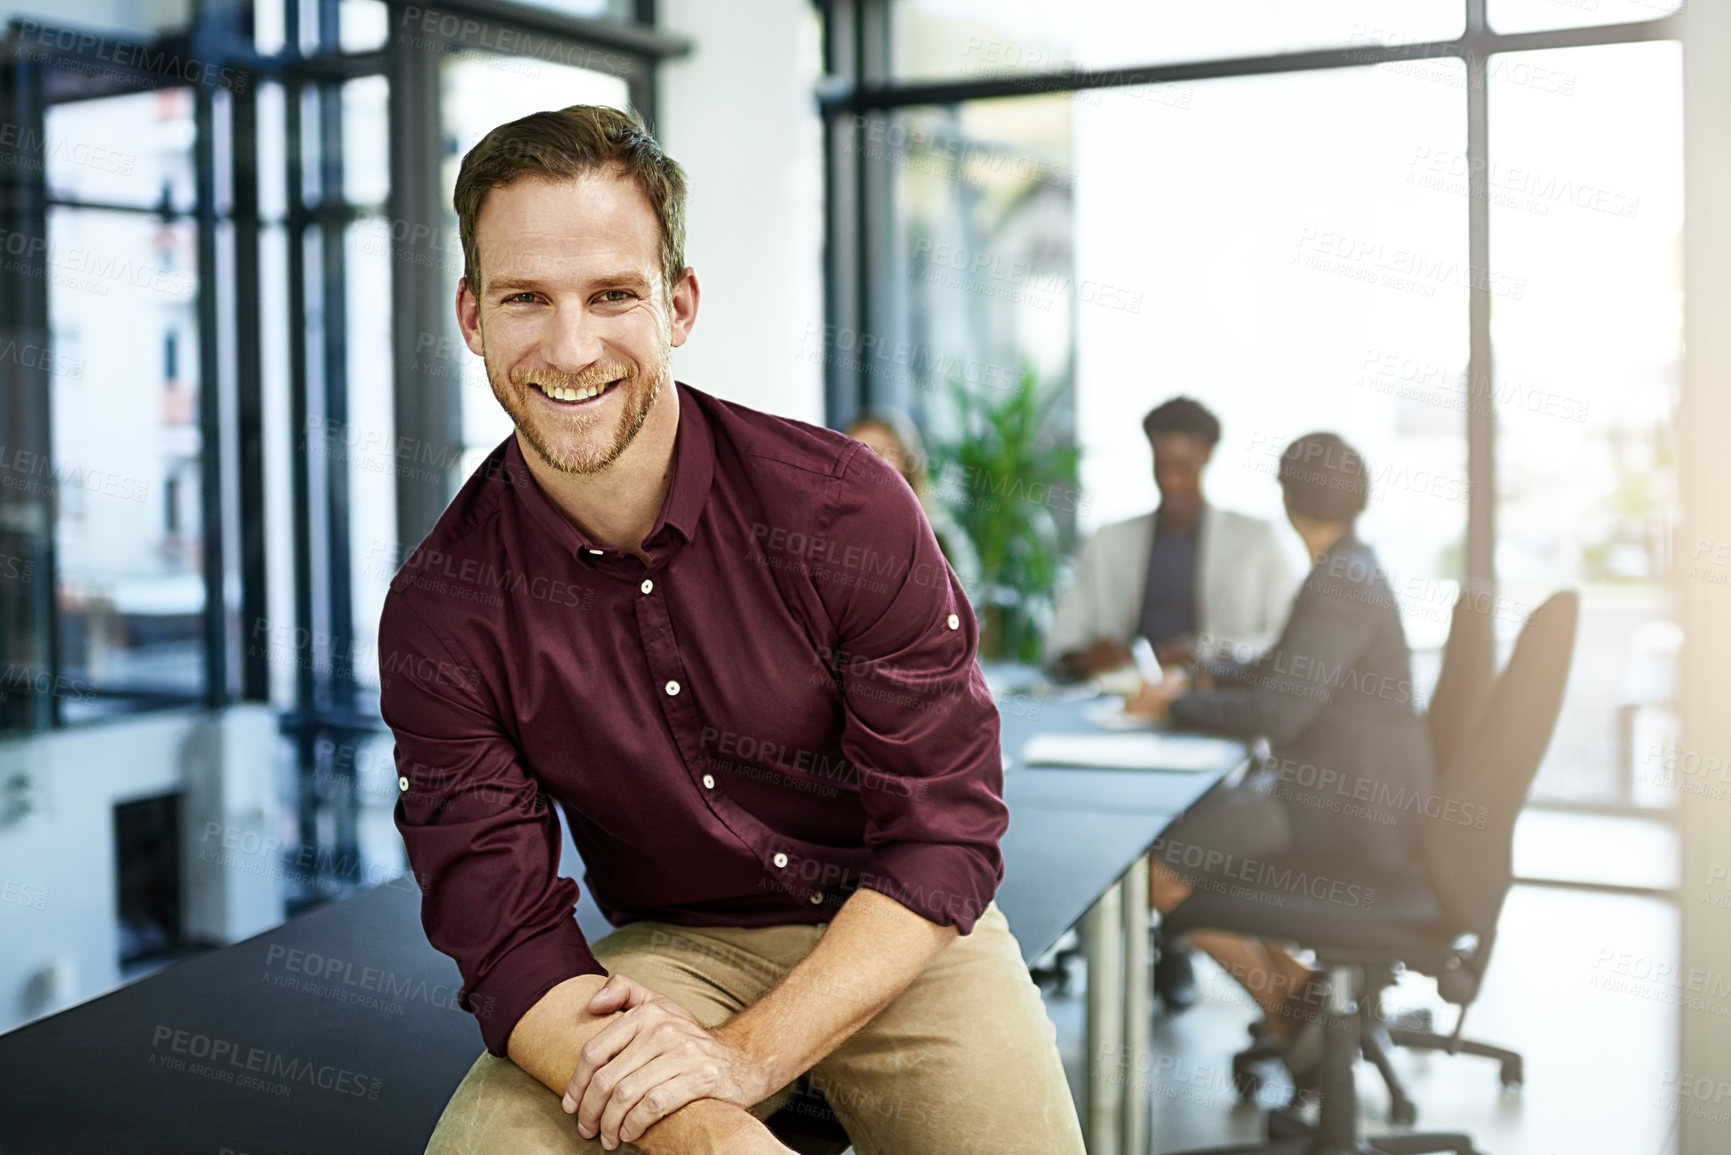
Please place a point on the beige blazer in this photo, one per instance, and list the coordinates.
(1244, 588)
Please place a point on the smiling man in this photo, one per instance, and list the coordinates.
(726, 646)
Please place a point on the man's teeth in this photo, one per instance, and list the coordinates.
(559, 393)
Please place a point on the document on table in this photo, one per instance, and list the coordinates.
(1187, 754)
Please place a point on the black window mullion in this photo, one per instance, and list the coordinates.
(210, 408)
(845, 273)
(249, 399)
(29, 619)
(427, 405)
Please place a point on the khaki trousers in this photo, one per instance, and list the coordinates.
(964, 1060)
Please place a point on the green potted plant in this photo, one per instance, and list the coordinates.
(1003, 478)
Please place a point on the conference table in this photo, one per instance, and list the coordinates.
(1120, 810)
(339, 1030)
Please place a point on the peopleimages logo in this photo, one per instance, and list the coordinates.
(35, 38)
(226, 1061)
(35, 474)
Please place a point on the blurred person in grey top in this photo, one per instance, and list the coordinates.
(1194, 579)
(1350, 781)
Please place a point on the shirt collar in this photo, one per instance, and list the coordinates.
(1160, 531)
(1346, 542)
(687, 491)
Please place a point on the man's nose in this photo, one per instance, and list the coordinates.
(575, 342)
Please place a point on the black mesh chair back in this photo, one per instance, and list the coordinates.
(1469, 665)
(1469, 858)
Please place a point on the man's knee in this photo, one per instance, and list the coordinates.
(500, 1107)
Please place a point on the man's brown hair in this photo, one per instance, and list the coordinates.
(565, 145)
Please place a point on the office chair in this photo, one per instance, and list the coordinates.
(1462, 688)
(1463, 685)
(1436, 914)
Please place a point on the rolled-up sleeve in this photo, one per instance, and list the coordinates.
(482, 841)
(918, 720)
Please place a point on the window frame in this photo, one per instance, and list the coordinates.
(231, 417)
(858, 269)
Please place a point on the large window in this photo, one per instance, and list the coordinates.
(235, 394)
(1463, 257)
(1586, 208)
(120, 272)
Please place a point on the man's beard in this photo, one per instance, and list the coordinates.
(639, 389)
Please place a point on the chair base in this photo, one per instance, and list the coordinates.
(1378, 1036)
(1513, 1072)
(1351, 1026)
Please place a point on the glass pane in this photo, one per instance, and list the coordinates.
(988, 294)
(267, 26)
(1291, 278)
(985, 219)
(377, 462)
(366, 142)
(274, 337)
(362, 25)
(480, 91)
(1587, 212)
(1532, 15)
(122, 298)
(959, 38)
(128, 150)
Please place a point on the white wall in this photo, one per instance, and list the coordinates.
(57, 880)
(739, 114)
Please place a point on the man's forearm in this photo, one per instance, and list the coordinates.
(546, 1042)
(871, 952)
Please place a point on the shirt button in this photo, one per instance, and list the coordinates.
(954, 621)
(817, 899)
(647, 585)
(780, 859)
(672, 687)
(402, 783)
(709, 782)
(595, 551)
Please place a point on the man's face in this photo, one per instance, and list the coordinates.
(572, 316)
(1179, 459)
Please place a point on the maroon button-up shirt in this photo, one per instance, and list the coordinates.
(781, 708)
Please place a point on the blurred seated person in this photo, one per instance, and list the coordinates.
(1351, 755)
(1186, 570)
(895, 439)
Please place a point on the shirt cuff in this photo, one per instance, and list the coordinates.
(943, 883)
(520, 980)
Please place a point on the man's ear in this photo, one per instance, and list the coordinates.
(682, 311)
(469, 317)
